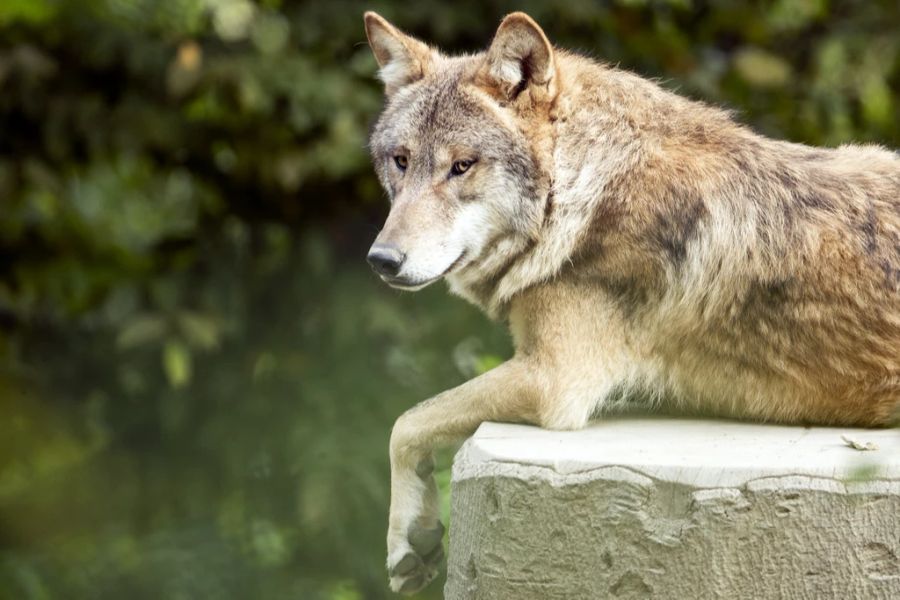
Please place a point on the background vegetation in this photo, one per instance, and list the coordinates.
(198, 373)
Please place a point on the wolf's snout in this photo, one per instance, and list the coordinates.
(385, 259)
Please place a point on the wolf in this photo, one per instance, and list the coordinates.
(634, 241)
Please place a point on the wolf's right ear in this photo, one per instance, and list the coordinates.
(520, 58)
(402, 59)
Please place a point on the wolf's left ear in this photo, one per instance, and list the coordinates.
(520, 57)
(402, 59)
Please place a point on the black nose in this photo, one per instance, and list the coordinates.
(386, 260)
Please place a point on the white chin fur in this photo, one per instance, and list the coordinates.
(409, 288)
(420, 277)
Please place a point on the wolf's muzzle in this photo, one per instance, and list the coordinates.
(385, 260)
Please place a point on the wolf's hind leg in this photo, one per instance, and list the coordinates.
(509, 392)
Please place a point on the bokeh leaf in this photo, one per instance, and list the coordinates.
(140, 330)
(176, 360)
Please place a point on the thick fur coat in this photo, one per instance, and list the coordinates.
(635, 241)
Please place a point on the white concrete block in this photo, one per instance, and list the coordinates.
(645, 507)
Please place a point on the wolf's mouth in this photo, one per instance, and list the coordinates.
(412, 286)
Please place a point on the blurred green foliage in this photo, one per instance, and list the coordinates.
(197, 373)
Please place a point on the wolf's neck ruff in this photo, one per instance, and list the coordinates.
(495, 276)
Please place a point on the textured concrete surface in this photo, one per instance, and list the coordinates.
(669, 508)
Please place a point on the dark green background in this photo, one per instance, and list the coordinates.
(198, 373)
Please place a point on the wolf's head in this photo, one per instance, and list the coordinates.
(461, 149)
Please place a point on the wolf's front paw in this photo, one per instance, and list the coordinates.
(415, 562)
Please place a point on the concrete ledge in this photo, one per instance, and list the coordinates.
(673, 508)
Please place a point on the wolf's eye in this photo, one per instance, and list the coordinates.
(461, 166)
(401, 162)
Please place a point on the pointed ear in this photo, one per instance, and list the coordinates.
(402, 59)
(519, 57)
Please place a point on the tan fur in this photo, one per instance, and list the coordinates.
(637, 243)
